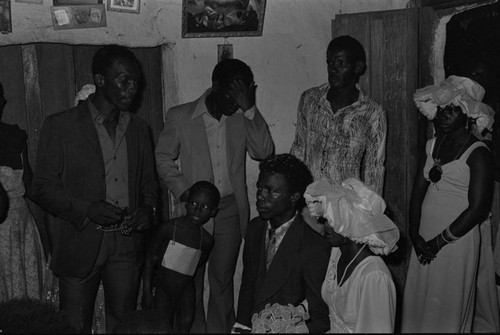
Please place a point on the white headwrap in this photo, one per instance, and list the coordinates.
(355, 211)
(84, 93)
(458, 91)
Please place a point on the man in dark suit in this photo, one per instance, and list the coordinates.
(284, 259)
(95, 175)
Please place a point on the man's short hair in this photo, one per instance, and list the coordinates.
(104, 58)
(227, 69)
(204, 186)
(296, 173)
(350, 44)
(29, 316)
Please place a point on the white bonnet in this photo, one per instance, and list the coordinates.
(458, 91)
(355, 211)
(84, 93)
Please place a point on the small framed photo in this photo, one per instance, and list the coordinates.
(78, 16)
(74, 2)
(126, 6)
(5, 17)
(39, 2)
(224, 51)
(222, 18)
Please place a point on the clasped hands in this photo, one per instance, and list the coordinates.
(427, 250)
(106, 214)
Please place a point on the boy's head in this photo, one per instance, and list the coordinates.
(202, 202)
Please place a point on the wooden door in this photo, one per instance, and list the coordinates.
(43, 79)
(391, 40)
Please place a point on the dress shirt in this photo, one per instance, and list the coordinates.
(216, 137)
(114, 153)
(279, 233)
(338, 145)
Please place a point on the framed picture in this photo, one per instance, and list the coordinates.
(74, 2)
(224, 51)
(78, 17)
(5, 17)
(127, 6)
(222, 18)
(40, 2)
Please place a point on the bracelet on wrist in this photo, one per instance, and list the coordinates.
(444, 237)
(450, 234)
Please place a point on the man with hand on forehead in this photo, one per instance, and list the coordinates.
(211, 137)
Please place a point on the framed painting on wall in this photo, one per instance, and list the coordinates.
(39, 2)
(127, 6)
(222, 18)
(5, 17)
(75, 2)
(78, 17)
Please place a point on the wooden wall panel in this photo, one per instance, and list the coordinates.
(391, 41)
(57, 77)
(12, 79)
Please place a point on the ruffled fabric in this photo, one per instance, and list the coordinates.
(84, 92)
(355, 211)
(457, 91)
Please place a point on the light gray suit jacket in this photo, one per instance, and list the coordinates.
(184, 137)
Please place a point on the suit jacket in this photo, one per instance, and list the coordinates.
(70, 175)
(296, 272)
(184, 137)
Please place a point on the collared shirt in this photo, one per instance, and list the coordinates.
(115, 157)
(279, 232)
(348, 143)
(217, 144)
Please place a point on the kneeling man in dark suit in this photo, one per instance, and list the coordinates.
(284, 259)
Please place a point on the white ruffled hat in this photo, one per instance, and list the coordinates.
(84, 93)
(355, 211)
(458, 91)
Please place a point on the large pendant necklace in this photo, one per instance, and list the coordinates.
(436, 171)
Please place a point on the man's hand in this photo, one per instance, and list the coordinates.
(140, 219)
(243, 94)
(104, 213)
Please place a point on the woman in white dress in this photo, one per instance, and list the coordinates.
(358, 287)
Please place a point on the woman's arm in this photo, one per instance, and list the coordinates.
(420, 185)
(27, 173)
(4, 204)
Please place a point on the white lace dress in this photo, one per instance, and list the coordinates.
(366, 301)
(21, 253)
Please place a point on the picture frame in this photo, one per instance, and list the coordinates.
(38, 2)
(5, 17)
(74, 2)
(224, 51)
(225, 18)
(78, 16)
(125, 6)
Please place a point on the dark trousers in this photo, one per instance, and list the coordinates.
(117, 266)
(221, 267)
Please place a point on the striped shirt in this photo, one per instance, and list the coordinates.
(348, 143)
